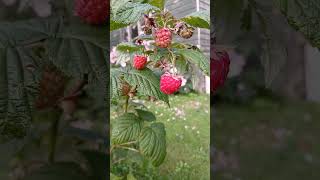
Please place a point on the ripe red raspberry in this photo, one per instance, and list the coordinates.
(139, 62)
(170, 83)
(92, 11)
(163, 37)
(219, 68)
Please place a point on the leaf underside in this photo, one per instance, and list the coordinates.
(152, 143)
(304, 16)
(77, 49)
(126, 128)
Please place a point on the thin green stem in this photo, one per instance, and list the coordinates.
(126, 104)
(119, 160)
(53, 138)
(128, 143)
(122, 145)
(173, 59)
(129, 148)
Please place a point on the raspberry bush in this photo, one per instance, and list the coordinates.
(151, 66)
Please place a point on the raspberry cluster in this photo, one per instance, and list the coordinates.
(170, 83)
(139, 62)
(163, 34)
(94, 12)
(219, 69)
(163, 37)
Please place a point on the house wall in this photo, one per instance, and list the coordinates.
(181, 8)
(312, 73)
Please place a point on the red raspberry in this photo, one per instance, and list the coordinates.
(163, 37)
(170, 83)
(219, 69)
(92, 11)
(139, 62)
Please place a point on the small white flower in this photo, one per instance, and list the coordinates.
(113, 55)
(186, 127)
(123, 64)
(184, 81)
(147, 44)
(173, 70)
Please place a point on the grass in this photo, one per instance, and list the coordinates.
(187, 123)
(267, 140)
(188, 135)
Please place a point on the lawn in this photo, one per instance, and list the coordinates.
(267, 140)
(187, 124)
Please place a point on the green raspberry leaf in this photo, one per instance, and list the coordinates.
(146, 115)
(115, 83)
(152, 143)
(126, 128)
(147, 83)
(196, 57)
(157, 3)
(128, 47)
(127, 12)
(200, 19)
(303, 15)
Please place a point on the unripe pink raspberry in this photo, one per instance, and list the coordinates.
(163, 37)
(219, 68)
(94, 12)
(139, 62)
(170, 83)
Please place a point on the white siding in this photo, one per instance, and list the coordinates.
(312, 73)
